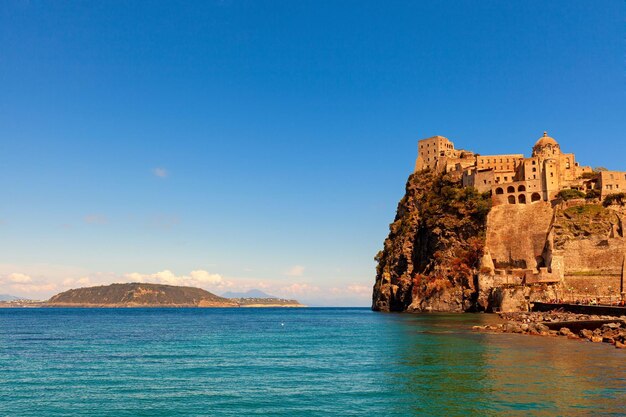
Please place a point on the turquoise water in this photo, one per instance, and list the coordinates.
(292, 362)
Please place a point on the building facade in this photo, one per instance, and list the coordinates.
(513, 178)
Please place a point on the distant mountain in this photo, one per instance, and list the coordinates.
(7, 297)
(248, 294)
(139, 295)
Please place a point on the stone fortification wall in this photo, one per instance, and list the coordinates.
(599, 256)
(516, 234)
(607, 287)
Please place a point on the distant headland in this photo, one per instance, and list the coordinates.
(147, 295)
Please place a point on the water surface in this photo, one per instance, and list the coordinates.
(288, 362)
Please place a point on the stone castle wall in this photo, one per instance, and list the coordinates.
(516, 234)
(521, 254)
(601, 256)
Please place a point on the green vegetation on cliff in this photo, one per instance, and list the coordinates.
(585, 221)
(569, 194)
(617, 199)
(434, 246)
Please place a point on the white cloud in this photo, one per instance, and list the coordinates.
(95, 219)
(160, 172)
(358, 289)
(19, 278)
(295, 271)
(299, 289)
(163, 221)
(352, 290)
(21, 284)
(21, 289)
(207, 278)
(77, 282)
(197, 278)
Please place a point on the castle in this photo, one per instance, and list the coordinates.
(514, 179)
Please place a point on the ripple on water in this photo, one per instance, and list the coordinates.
(318, 362)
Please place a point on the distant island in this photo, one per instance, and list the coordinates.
(138, 294)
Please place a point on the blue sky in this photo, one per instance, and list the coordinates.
(265, 144)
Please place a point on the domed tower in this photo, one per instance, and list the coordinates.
(546, 147)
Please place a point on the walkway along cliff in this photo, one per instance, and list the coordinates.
(495, 233)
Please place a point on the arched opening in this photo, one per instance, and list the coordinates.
(535, 197)
(511, 199)
(521, 188)
(510, 189)
(499, 190)
(522, 199)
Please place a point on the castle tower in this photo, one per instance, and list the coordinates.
(546, 147)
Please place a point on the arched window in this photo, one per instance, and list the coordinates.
(522, 199)
(535, 197)
(521, 188)
(511, 199)
(510, 189)
(499, 190)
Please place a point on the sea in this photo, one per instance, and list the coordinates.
(294, 362)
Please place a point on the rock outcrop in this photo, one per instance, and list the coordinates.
(139, 295)
(430, 259)
(449, 250)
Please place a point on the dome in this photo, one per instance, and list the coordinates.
(546, 140)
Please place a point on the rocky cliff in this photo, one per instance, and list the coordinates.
(139, 295)
(449, 250)
(431, 257)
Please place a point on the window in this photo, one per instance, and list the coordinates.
(534, 169)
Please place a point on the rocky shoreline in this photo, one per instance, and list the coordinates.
(586, 327)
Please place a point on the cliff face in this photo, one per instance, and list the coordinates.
(448, 250)
(139, 295)
(431, 257)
